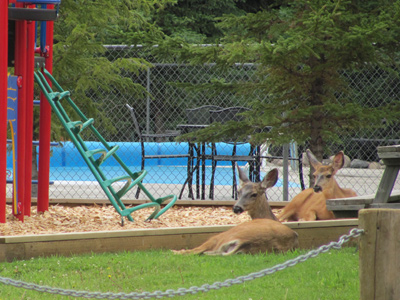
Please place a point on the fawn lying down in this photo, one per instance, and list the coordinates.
(310, 204)
(263, 233)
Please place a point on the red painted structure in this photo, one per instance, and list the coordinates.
(45, 124)
(3, 106)
(23, 68)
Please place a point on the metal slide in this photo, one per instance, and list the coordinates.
(95, 157)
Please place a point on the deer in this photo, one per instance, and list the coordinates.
(264, 233)
(310, 204)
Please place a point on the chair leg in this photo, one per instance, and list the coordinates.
(198, 154)
(190, 171)
(234, 187)
(189, 177)
(301, 173)
(213, 169)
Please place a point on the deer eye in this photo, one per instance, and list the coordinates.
(328, 176)
(254, 195)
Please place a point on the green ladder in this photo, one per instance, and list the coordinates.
(94, 158)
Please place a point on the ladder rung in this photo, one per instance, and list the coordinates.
(128, 185)
(78, 126)
(109, 182)
(56, 96)
(74, 125)
(90, 153)
(87, 123)
(104, 156)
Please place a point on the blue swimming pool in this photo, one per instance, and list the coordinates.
(66, 164)
(156, 174)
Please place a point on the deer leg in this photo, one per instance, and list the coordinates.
(309, 216)
(289, 215)
(325, 215)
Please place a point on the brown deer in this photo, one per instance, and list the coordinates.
(251, 237)
(310, 204)
(262, 234)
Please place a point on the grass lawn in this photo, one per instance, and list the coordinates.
(332, 275)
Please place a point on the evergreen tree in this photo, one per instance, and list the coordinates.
(80, 66)
(79, 63)
(301, 49)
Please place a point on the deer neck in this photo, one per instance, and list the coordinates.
(333, 191)
(262, 210)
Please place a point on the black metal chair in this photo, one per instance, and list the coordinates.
(198, 118)
(153, 137)
(253, 156)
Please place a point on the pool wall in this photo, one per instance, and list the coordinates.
(66, 155)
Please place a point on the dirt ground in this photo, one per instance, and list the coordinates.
(66, 219)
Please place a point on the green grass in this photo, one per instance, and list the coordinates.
(332, 275)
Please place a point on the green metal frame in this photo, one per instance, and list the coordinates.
(74, 128)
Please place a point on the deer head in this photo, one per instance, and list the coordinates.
(252, 197)
(324, 174)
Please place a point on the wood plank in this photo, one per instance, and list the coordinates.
(386, 184)
(367, 219)
(349, 201)
(112, 234)
(334, 208)
(359, 200)
(389, 155)
(379, 254)
(385, 205)
(311, 235)
(393, 148)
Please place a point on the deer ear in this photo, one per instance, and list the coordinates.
(312, 159)
(230, 247)
(270, 179)
(242, 176)
(338, 161)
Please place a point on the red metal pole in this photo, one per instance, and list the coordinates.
(20, 70)
(30, 65)
(3, 106)
(45, 129)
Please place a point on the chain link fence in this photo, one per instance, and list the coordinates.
(164, 108)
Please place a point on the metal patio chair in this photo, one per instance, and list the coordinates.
(252, 157)
(155, 137)
(198, 118)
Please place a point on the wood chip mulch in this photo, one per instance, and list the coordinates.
(65, 219)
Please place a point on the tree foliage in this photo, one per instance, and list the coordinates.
(79, 62)
(301, 49)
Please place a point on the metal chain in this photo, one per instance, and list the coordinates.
(355, 232)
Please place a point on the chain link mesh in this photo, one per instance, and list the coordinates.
(164, 107)
(355, 232)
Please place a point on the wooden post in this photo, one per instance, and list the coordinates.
(380, 254)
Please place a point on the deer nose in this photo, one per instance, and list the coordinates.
(237, 210)
(317, 189)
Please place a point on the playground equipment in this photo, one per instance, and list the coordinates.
(18, 41)
(74, 128)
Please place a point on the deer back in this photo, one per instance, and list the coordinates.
(255, 236)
